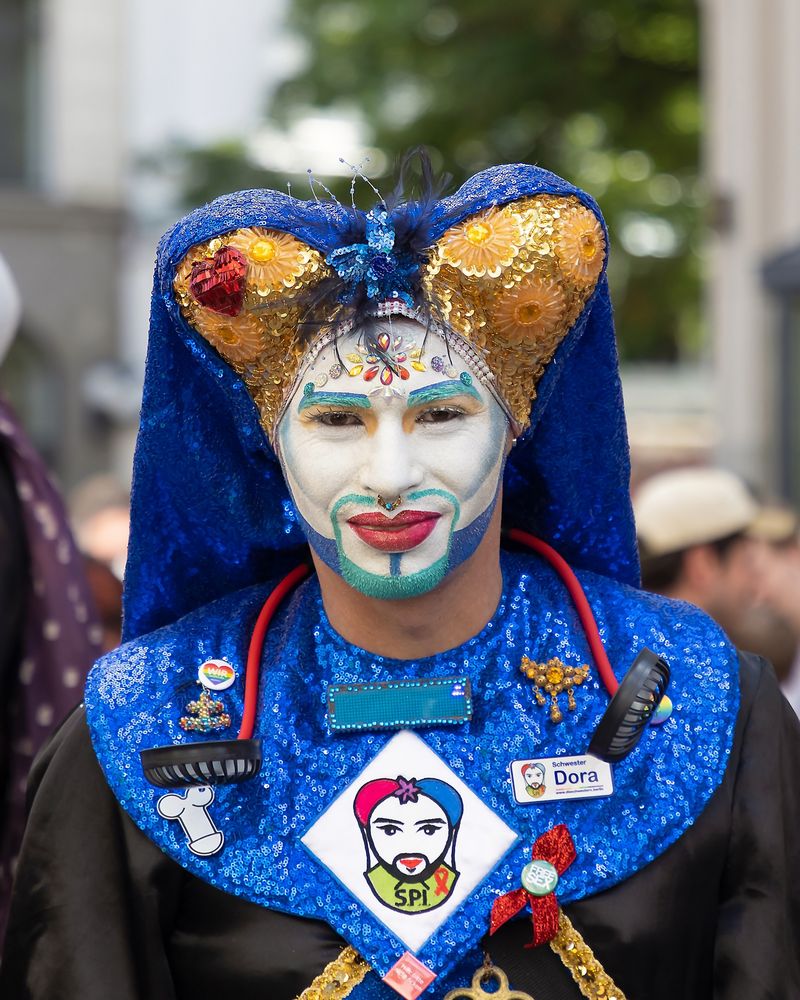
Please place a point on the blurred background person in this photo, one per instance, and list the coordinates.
(692, 526)
(100, 514)
(703, 538)
(106, 589)
(778, 574)
(99, 508)
(49, 633)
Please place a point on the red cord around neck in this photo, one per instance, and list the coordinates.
(287, 584)
(291, 580)
(575, 591)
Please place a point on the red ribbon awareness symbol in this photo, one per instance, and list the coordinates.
(441, 876)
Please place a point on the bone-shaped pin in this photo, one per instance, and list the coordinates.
(190, 811)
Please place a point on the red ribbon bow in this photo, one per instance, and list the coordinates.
(555, 846)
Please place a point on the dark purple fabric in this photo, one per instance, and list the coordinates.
(60, 634)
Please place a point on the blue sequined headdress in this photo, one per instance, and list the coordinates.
(512, 267)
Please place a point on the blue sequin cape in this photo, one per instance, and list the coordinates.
(137, 693)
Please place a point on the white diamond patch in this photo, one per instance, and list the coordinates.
(409, 839)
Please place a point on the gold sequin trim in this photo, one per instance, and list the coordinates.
(592, 979)
(339, 977)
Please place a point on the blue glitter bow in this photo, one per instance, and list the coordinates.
(375, 264)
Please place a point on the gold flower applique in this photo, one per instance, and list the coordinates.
(239, 339)
(484, 244)
(580, 246)
(274, 259)
(529, 312)
(553, 678)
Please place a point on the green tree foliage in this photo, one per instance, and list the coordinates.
(604, 92)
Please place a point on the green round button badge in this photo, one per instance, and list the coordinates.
(539, 878)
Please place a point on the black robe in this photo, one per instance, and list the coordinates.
(99, 912)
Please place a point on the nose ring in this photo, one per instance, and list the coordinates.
(389, 504)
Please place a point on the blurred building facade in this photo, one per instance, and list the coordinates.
(752, 163)
(87, 93)
(62, 163)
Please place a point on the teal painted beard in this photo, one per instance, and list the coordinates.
(395, 585)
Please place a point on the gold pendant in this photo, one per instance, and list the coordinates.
(553, 678)
(476, 991)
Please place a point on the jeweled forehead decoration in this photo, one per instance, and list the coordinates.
(381, 354)
(510, 281)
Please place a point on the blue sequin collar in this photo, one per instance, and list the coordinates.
(136, 694)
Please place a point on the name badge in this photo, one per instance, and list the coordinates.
(401, 704)
(544, 779)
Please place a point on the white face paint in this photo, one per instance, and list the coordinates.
(393, 457)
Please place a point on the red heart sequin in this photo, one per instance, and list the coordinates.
(218, 282)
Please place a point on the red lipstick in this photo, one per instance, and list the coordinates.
(400, 533)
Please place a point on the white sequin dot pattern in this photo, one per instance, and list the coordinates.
(26, 671)
(51, 630)
(44, 714)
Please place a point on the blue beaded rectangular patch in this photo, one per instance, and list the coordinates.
(428, 701)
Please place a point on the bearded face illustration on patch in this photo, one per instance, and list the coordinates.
(534, 775)
(409, 829)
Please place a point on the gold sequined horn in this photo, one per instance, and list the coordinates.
(246, 293)
(512, 281)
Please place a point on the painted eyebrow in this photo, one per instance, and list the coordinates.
(440, 391)
(355, 399)
(430, 822)
(384, 819)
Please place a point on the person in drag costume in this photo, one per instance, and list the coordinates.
(387, 387)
